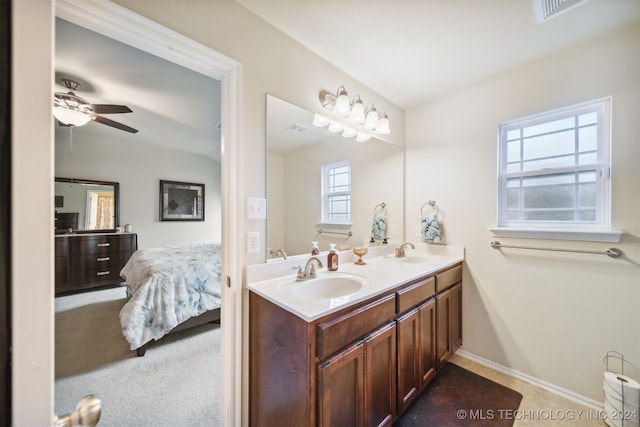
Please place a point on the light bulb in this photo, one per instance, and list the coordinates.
(362, 137)
(383, 126)
(357, 112)
(342, 106)
(320, 120)
(335, 126)
(371, 122)
(349, 132)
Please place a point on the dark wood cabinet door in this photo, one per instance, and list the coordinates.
(456, 317)
(341, 388)
(443, 312)
(427, 361)
(380, 376)
(408, 339)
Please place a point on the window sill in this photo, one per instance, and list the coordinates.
(611, 236)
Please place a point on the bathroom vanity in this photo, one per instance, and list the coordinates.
(356, 359)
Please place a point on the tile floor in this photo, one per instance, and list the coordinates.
(539, 407)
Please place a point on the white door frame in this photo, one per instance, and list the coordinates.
(30, 403)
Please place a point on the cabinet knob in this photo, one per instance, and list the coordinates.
(104, 258)
(100, 245)
(102, 273)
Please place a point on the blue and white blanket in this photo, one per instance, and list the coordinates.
(168, 286)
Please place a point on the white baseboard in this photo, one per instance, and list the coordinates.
(562, 392)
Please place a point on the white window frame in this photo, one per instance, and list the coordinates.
(327, 194)
(597, 230)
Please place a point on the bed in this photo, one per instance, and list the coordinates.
(170, 289)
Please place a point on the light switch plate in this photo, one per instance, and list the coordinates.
(256, 208)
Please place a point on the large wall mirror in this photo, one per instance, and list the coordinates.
(296, 152)
(86, 206)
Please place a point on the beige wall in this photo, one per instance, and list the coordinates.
(546, 314)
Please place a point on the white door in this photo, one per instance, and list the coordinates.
(32, 197)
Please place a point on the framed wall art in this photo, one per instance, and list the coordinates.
(181, 201)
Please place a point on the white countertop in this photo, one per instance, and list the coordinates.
(381, 272)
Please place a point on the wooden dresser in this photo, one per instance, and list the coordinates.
(86, 261)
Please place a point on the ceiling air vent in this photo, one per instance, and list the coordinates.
(296, 127)
(547, 9)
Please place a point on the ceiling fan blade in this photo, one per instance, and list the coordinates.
(114, 124)
(109, 108)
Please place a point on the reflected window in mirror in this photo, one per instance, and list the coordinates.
(83, 205)
(336, 193)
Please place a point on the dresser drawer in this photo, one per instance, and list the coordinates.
(448, 277)
(415, 294)
(337, 333)
(96, 276)
(101, 261)
(101, 244)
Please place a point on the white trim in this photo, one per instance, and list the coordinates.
(562, 392)
(125, 26)
(610, 236)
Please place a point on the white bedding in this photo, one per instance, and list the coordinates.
(168, 286)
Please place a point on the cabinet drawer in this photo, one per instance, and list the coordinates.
(87, 245)
(415, 294)
(337, 333)
(448, 278)
(96, 275)
(115, 260)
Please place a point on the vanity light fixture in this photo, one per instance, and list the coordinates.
(367, 120)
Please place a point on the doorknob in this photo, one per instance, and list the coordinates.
(87, 414)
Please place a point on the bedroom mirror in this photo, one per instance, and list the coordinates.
(85, 206)
(296, 153)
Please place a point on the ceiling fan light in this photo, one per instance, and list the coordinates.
(71, 117)
(349, 132)
(320, 121)
(335, 126)
(383, 126)
(342, 106)
(362, 137)
(371, 122)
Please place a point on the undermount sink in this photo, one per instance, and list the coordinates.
(326, 286)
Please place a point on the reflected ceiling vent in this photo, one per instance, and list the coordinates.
(296, 128)
(547, 9)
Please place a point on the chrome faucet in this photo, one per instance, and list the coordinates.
(309, 269)
(280, 252)
(400, 251)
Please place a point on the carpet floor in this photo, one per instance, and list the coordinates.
(175, 384)
(458, 397)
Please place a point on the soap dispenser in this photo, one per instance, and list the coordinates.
(332, 258)
(314, 248)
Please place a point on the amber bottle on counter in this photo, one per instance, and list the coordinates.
(332, 258)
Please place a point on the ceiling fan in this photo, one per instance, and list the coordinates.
(72, 110)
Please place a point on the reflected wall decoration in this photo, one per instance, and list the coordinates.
(181, 201)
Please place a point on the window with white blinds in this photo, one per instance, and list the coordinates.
(336, 193)
(554, 169)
